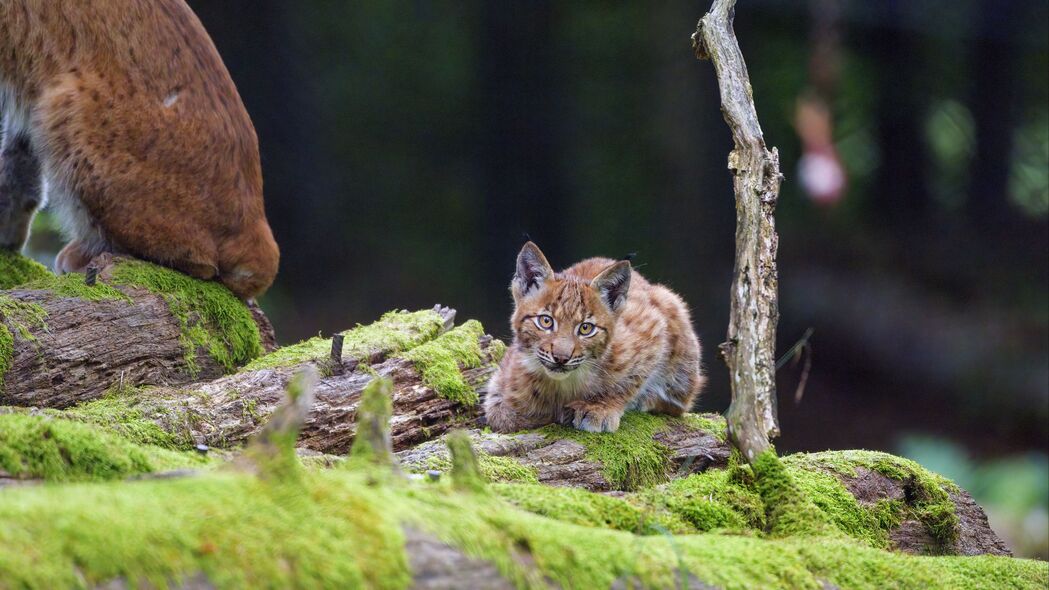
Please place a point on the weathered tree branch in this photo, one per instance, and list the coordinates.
(750, 348)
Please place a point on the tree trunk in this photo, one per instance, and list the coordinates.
(750, 348)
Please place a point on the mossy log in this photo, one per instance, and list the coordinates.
(228, 410)
(63, 341)
(359, 525)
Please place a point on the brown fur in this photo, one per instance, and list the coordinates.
(129, 113)
(642, 355)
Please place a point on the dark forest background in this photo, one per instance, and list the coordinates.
(408, 145)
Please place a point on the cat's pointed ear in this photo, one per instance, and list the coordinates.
(613, 283)
(532, 271)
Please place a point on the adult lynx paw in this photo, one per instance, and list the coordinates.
(595, 419)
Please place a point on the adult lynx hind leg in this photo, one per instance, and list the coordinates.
(20, 184)
(176, 187)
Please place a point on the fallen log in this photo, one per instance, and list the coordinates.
(64, 341)
(438, 373)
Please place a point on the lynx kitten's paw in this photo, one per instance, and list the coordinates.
(592, 419)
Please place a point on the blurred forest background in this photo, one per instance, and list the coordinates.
(408, 145)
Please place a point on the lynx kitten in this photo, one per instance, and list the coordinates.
(590, 343)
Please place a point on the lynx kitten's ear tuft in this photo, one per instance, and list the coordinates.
(613, 283)
(532, 271)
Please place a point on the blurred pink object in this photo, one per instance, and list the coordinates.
(820, 168)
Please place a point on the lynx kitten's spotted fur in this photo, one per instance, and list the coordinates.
(590, 343)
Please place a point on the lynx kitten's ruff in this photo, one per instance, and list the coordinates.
(590, 343)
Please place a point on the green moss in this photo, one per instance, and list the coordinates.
(122, 413)
(788, 511)
(341, 529)
(16, 270)
(712, 423)
(585, 508)
(43, 447)
(234, 530)
(631, 458)
(506, 469)
(211, 317)
(396, 331)
(7, 352)
(17, 318)
(928, 498)
(22, 316)
(714, 500)
(537, 551)
(73, 285)
(441, 360)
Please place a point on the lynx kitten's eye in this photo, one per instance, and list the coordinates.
(586, 329)
(544, 322)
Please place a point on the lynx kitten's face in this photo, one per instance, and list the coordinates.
(564, 326)
(563, 323)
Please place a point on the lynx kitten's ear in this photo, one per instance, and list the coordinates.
(613, 283)
(532, 271)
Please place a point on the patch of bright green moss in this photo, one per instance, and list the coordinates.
(396, 331)
(581, 507)
(506, 469)
(631, 459)
(441, 360)
(714, 500)
(568, 555)
(42, 447)
(211, 317)
(16, 270)
(788, 511)
(928, 493)
(73, 285)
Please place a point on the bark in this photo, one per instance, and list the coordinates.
(750, 348)
(86, 347)
(227, 411)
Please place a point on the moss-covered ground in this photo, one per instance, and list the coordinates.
(342, 528)
(54, 449)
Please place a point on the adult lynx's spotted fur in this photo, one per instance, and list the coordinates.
(590, 343)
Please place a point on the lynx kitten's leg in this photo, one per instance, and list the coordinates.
(19, 189)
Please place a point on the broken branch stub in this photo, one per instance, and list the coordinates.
(271, 453)
(373, 443)
(749, 350)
